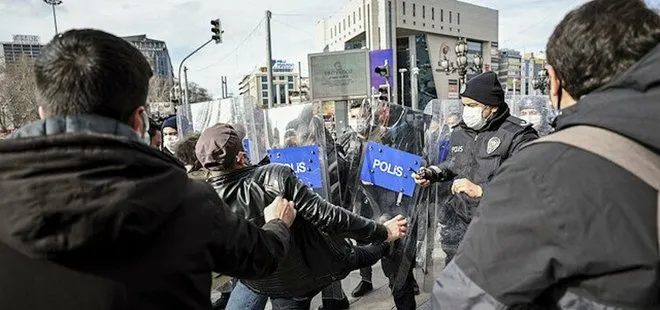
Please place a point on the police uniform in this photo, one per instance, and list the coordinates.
(476, 155)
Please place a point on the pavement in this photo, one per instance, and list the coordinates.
(381, 297)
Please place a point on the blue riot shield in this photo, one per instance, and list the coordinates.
(385, 146)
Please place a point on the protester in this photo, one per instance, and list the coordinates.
(185, 152)
(487, 137)
(94, 218)
(560, 227)
(320, 255)
(170, 132)
(155, 135)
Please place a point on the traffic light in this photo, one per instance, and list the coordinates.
(217, 31)
(383, 70)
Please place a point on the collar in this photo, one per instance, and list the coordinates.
(81, 124)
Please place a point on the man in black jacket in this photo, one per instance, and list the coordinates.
(90, 210)
(487, 136)
(559, 227)
(320, 255)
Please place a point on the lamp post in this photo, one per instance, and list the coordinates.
(461, 65)
(541, 81)
(403, 84)
(53, 4)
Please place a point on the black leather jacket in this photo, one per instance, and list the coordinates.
(316, 257)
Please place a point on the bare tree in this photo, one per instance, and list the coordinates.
(18, 104)
(198, 93)
(159, 89)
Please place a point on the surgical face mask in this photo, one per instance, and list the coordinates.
(473, 117)
(170, 142)
(535, 120)
(359, 125)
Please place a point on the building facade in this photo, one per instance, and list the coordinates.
(156, 53)
(510, 70)
(532, 64)
(417, 31)
(20, 46)
(286, 83)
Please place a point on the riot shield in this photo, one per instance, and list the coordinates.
(536, 110)
(387, 146)
(295, 136)
(202, 115)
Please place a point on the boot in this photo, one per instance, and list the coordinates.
(362, 289)
(335, 304)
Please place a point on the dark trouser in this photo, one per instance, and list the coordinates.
(303, 303)
(333, 291)
(364, 256)
(404, 296)
(366, 272)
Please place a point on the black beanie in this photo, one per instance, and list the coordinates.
(486, 89)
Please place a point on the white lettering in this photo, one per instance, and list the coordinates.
(388, 168)
(457, 149)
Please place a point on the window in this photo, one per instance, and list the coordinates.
(403, 8)
(450, 16)
(458, 18)
(264, 79)
(414, 9)
(345, 23)
(290, 79)
(353, 17)
(432, 13)
(423, 11)
(360, 13)
(290, 86)
(442, 15)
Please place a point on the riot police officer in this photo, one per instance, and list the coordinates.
(487, 135)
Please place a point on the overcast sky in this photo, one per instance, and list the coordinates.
(184, 24)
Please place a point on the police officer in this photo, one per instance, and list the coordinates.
(483, 140)
(536, 111)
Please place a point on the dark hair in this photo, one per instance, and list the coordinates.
(600, 40)
(89, 71)
(185, 151)
(154, 127)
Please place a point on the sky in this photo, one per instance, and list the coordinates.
(525, 25)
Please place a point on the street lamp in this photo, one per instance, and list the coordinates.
(541, 81)
(53, 4)
(461, 65)
(403, 84)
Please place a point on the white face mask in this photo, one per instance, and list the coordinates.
(535, 120)
(359, 125)
(473, 117)
(170, 142)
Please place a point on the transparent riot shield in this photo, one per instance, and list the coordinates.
(198, 116)
(536, 110)
(387, 148)
(295, 136)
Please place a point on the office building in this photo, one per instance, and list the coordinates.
(285, 84)
(156, 53)
(417, 31)
(510, 69)
(532, 64)
(20, 46)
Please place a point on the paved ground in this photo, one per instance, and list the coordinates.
(381, 297)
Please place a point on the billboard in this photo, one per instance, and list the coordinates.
(381, 58)
(339, 75)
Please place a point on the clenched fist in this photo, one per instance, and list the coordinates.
(281, 209)
(396, 228)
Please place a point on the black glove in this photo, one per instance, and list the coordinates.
(434, 174)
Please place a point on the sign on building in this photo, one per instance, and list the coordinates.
(340, 75)
(453, 89)
(26, 39)
(283, 66)
(381, 58)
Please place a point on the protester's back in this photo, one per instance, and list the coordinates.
(89, 208)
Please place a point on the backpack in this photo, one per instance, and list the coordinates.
(624, 152)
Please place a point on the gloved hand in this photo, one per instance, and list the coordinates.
(428, 175)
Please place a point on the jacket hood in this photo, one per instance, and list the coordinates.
(629, 105)
(83, 184)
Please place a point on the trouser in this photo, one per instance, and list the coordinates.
(243, 298)
(404, 296)
(333, 291)
(451, 239)
(366, 272)
(303, 303)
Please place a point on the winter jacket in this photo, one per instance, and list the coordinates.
(477, 154)
(562, 228)
(84, 197)
(318, 248)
